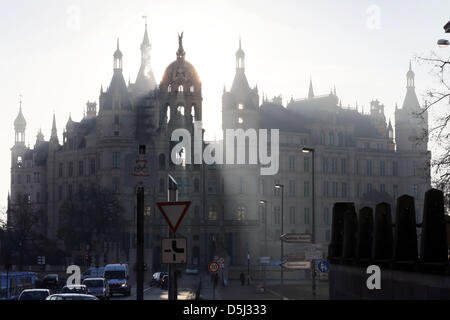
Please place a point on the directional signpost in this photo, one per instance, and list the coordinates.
(174, 251)
(296, 238)
(297, 265)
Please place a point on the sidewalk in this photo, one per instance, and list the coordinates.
(300, 290)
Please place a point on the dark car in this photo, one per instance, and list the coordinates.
(164, 282)
(34, 294)
(80, 289)
(156, 279)
(51, 282)
(71, 296)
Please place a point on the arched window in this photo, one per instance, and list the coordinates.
(240, 120)
(331, 139)
(322, 138)
(241, 213)
(180, 88)
(169, 89)
(241, 106)
(180, 110)
(162, 161)
(19, 161)
(193, 113)
(192, 89)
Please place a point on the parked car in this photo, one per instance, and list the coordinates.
(156, 278)
(118, 278)
(76, 288)
(51, 282)
(164, 282)
(71, 296)
(34, 294)
(97, 287)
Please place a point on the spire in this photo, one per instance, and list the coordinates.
(240, 57)
(411, 102)
(181, 54)
(118, 58)
(54, 134)
(20, 125)
(311, 90)
(145, 80)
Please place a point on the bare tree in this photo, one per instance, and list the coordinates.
(438, 100)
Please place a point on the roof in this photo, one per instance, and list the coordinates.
(274, 116)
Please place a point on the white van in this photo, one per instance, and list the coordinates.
(118, 278)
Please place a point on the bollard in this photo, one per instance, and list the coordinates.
(405, 237)
(350, 234)
(337, 230)
(365, 235)
(383, 236)
(433, 246)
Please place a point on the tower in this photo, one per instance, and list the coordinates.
(145, 81)
(240, 105)
(20, 125)
(411, 121)
(311, 90)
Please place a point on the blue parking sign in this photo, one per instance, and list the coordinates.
(323, 266)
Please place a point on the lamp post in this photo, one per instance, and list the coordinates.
(281, 186)
(443, 43)
(264, 202)
(313, 233)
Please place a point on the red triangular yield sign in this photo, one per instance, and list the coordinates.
(173, 213)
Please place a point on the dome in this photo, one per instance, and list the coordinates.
(20, 122)
(180, 72)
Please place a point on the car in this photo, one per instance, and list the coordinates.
(76, 288)
(118, 278)
(156, 278)
(71, 296)
(51, 282)
(164, 282)
(93, 273)
(97, 287)
(34, 294)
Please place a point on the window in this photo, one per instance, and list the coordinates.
(292, 188)
(306, 189)
(382, 168)
(28, 178)
(180, 89)
(369, 187)
(343, 166)
(340, 139)
(326, 216)
(306, 164)
(169, 89)
(292, 215)
(395, 191)
(241, 185)
(369, 168)
(196, 212)
(148, 211)
(357, 167)
(334, 189)
(192, 89)
(241, 106)
(358, 190)
(19, 161)
(276, 191)
(325, 189)
(69, 191)
(344, 190)
(196, 185)
(276, 215)
(19, 179)
(415, 191)
(92, 167)
(240, 120)
(325, 165)
(212, 213)
(334, 165)
(81, 168)
(382, 188)
(395, 168)
(116, 119)
(70, 169)
(322, 138)
(306, 215)
(262, 187)
(212, 185)
(116, 160)
(241, 213)
(60, 170)
(331, 139)
(116, 185)
(291, 163)
(162, 161)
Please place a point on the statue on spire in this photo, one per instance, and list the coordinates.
(180, 54)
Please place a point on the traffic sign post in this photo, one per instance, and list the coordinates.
(323, 266)
(214, 267)
(297, 265)
(296, 238)
(174, 251)
(173, 213)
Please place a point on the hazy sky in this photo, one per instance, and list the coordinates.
(58, 53)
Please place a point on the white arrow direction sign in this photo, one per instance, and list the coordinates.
(297, 265)
(173, 213)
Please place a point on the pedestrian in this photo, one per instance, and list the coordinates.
(242, 277)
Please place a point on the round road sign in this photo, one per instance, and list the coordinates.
(213, 267)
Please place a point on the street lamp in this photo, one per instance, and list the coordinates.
(313, 233)
(281, 186)
(264, 202)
